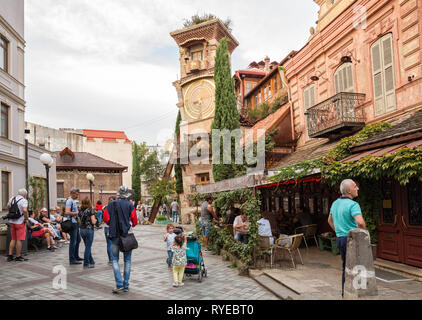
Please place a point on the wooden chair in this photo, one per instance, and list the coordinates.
(296, 241)
(309, 231)
(266, 249)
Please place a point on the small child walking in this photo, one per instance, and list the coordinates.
(169, 239)
(179, 259)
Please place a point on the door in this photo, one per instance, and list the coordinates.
(390, 232)
(412, 223)
(400, 227)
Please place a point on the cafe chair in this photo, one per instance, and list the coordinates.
(309, 231)
(296, 240)
(264, 246)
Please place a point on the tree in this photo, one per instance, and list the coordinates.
(226, 114)
(161, 189)
(136, 173)
(177, 167)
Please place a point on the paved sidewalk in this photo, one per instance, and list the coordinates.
(150, 278)
(320, 279)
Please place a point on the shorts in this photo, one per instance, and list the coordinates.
(18, 231)
(38, 233)
(205, 227)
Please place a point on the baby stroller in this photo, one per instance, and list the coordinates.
(195, 259)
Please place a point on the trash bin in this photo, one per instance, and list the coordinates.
(24, 249)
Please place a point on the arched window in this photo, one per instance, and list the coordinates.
(343, 78)
(383, 75)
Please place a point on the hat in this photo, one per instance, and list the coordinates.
(123, 192)
(43, 210)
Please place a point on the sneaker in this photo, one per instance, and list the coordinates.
(126, 290)
(75, 262)
(175, 284)
(181, 284)
(20, 259)
(52, 249)
(62, 240)
(117, 290)
(66, 242)
(110, 263)
(10, 258)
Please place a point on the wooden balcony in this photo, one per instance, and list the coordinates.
(195, 66)
(337, 116)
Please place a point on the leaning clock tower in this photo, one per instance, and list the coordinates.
(196, 93)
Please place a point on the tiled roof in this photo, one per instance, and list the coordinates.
(85, 160)
(408, 126)
(310, 153)
(106, 135)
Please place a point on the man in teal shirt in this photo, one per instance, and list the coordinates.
(345, 215)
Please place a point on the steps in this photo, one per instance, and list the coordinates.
(273, 286)
(399, 268)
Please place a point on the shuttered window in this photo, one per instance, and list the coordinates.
(343, 78)
(383, 75)
(309, 97)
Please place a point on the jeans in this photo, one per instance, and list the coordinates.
(174, 215)
(242, 237)
(116, 268)
(342, 246)
(170, 257)
(75, 240)
(106, 233)
(100, 217)
(88, 237)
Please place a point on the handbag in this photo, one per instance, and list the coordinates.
(67, 225)
(126, 243)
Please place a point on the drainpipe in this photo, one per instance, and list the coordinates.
(283, 77)
(241, 89)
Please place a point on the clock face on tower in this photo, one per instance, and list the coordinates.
(199, 99)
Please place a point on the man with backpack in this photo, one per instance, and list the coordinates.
(18, 217)
(120, 216)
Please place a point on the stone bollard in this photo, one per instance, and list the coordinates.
(360, 272)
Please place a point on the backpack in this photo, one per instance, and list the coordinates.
(14, 212)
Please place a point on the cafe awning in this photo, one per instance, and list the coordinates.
(384, 150)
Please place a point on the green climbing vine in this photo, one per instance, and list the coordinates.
(37, 193)
(220, 238)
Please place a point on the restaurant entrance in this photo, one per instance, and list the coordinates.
(400, 227)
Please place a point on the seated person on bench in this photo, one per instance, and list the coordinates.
(43, 219)
(39, 231)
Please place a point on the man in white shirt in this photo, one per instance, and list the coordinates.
(174, 210)
(240, 227)
(18, 226)
(264, 228)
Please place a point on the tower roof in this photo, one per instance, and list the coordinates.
(211, 29)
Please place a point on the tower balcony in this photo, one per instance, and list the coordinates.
(337, 116)
(195, 66)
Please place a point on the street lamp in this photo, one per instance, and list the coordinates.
(47, 161)
(91, 179)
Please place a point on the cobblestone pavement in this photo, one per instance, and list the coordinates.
(150, 278)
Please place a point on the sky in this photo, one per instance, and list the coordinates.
(110, 64)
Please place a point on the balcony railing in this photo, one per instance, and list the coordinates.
(336, 115)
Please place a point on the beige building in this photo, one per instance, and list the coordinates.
(196, 89)
(113, 146)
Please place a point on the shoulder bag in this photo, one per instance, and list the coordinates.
(67, 226)
(127, 243)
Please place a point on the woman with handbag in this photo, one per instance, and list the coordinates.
(88, 220)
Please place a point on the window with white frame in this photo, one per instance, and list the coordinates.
(5, 189)
(343, 78)
(383, 77)
(3, 53)
(4, 122)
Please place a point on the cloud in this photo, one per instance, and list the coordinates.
(107, 64)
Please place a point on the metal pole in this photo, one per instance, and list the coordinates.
(90, 190)
(47, 169)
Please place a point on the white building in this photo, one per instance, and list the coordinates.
(13, 158)
(12, 143)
